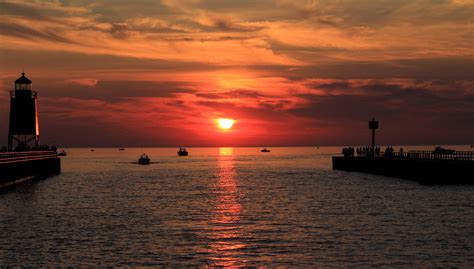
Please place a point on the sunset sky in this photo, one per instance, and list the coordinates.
(160, 73)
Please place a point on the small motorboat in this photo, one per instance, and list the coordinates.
(265, 150)
(440, 150)
(92, 150)
(144, 159)
(62, 153)
(182, 152)
(121, 149)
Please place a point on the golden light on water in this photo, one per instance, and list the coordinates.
(226, 246)
(226, 151)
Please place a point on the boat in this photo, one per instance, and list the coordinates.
(441, 150)
(144, 159)
(62, 153)
(182, 152)
(92, 150)
(121, 149)
(265, 150)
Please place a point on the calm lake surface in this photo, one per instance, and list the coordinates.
(232, 207)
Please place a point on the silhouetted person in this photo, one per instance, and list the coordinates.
(388, 151)
(348, 152)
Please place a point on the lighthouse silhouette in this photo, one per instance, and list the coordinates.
(23, 131)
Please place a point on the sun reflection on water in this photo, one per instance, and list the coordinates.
(225, 152)
(226, 235)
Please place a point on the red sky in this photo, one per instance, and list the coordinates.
(158, 73)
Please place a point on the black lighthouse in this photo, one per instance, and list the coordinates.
(24, 127)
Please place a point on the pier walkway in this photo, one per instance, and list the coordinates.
(17, 167)
(427, 167)
(13, 156)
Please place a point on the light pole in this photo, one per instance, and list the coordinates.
(373, 125)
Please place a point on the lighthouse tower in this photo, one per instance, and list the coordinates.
(24, 128)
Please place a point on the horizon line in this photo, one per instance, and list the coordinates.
(306, 146)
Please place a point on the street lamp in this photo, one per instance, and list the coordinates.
(373, 125)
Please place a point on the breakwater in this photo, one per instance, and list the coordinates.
(18, 167)
(423, 166)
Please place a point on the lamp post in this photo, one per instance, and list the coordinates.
(373, 125)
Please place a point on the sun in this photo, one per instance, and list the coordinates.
(225, 123)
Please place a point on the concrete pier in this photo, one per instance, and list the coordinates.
(434, 170)
(18, 167)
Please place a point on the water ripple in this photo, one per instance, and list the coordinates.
(286, 209)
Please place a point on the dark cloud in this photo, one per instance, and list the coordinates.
(17, 30)
(116, 90)
(441, 68)
(333, 86)
(409, 114)
(43, 12)
(226, 25)
(231, 94)
(119, 30)
(274, 105)
(203, 39)
(59, 61)
(115, 11)
(21, 10)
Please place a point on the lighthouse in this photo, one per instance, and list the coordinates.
(23, 131)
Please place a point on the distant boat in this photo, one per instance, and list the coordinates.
(92, 150)
(121, 149)
(144, 159)
(182, 152)
(62, 153)
(440, 150)
(265, 150)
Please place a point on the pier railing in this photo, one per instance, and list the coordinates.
(420, 154)
(427, 154)
(6, 157)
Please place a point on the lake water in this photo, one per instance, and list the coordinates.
(232, 207)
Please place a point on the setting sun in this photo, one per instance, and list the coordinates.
(225, 123)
